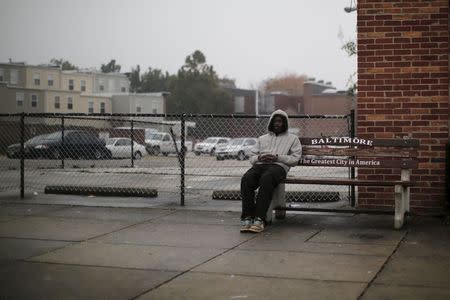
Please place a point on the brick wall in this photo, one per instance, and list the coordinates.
(403, 79)
(290, 104)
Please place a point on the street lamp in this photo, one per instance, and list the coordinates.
(352, 7)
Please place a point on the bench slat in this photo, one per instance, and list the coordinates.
(345, 181)
(366, 152)
(366, 163)
(347, 141)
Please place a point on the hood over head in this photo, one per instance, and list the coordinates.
(285, 117)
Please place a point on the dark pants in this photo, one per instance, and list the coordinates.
(266, 177)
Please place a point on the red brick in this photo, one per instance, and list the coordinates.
(415, 91)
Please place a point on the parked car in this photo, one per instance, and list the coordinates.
(162, 142)
(77, 144)
(121, 148)
(237, 148)
(13, 151)
(209, 145)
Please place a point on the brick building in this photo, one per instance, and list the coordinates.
(243, 100)
(403, 91)
(318, 98)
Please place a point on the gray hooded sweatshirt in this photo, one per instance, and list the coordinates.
(286, 145)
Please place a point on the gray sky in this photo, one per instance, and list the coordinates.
(248, 40)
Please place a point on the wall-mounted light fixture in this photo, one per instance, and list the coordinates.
(352, 7)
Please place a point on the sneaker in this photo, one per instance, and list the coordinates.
(258, 226)
(246, 224)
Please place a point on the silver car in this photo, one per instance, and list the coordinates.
(210, 145)
(237, 148)
(121, 148)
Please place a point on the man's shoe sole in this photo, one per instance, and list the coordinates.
(245, 230)
(256, 230)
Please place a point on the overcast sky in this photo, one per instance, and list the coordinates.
(248, 40)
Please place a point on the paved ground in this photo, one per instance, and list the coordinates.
(57, 247)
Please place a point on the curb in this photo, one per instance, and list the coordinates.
(303, 196)
(100, 191)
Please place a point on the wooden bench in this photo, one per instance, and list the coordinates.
(398, 154)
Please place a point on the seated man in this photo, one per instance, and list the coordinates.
(273, 155)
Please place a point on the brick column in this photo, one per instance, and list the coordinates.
(403, 88)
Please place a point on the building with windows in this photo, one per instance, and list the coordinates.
(149, 103)
(111, 83)
(48, 89)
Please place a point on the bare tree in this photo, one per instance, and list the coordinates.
(289, 83)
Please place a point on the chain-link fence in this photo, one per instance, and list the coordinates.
(176, 155)
(222, 146)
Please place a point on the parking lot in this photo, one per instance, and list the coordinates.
(203, 174)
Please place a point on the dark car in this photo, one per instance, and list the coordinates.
(77, 144)
(13, 151)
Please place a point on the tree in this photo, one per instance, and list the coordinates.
(195, 64)
(154, 80)
(290, 83)
(226, 82)
(135, 79)
(63, 64)
(195, 89)
(110, 67)
(351, 49)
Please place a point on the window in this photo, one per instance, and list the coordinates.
(37, 78)
(125, 142)
(19, 99)
(120, 143)
(102, 107)
(50, 80)
(138, 109)
(2, 75)
(123, 89)
(34, 100)
(83, 85)
(154, 106)
(69, 103)
(57, 102)
(14, 76)
(71, 85)
(101, 85)
(90, 107)
(239, 102)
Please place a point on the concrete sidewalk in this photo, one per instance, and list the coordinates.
(58, 251)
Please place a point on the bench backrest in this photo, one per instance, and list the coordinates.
(358, 152)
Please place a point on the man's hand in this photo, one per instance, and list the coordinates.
(268, 157)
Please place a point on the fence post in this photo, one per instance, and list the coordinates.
(352, 169)
(22, 155)
(182, 159)
(63, 148)
(132, 143)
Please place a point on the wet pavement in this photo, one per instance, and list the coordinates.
(75, 247)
